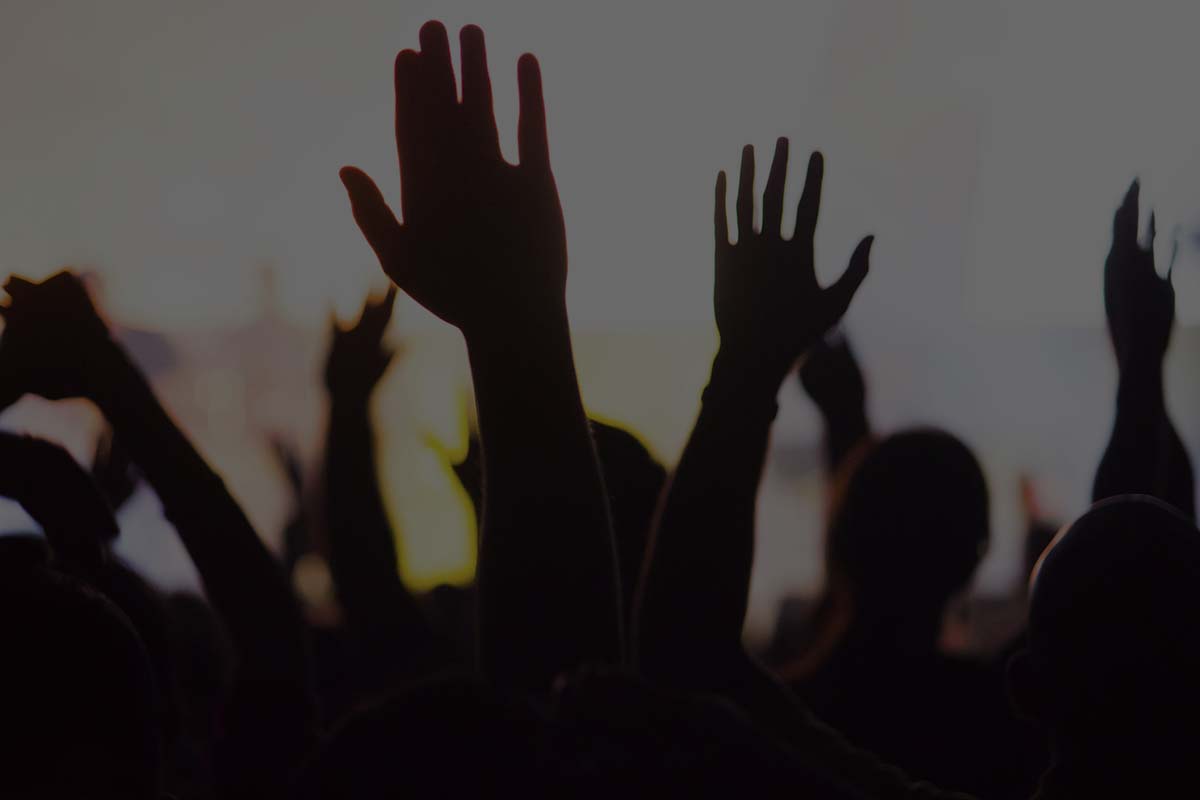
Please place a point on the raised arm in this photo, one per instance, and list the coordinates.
(57, 346)
(830, 375)
(769, 311)
(62, 499)
(483, 247)
(1145, 454)
(383, 615)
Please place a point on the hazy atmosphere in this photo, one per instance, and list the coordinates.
(187, 155)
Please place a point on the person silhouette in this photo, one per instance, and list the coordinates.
(1108, 668)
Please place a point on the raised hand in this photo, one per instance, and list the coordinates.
(481, 238)
(52, 339)
(1145, 454)
(61, 497)
(831, 376)
(1139, 304)
(483, 247)
(769, 307)
(357, 357)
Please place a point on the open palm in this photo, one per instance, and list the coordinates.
(769, 306)
(480, 236)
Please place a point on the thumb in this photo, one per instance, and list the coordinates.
(842, 291)
(374, 218)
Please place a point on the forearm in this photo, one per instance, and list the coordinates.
(61, 498)
(1139, 457)
(694, 597)
(362, 548)
(844, 431)
(547, 567)
(242, 580)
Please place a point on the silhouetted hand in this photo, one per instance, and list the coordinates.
(1139, 304)
(481, 238)
(357, 357)
(831, 376)
(52, 339)
(61, 497)
(769, 307)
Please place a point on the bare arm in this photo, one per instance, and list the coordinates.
(769, 310)
(384, 616)
(56, 345)
(483, 246)
(1145, 454)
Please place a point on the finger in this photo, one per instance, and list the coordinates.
(720, 217)
(773, 193)
(533, 147)
(477, 90)
(408, 127)
(18, 286)
(381, 312)
(437, 68)
(745, 196)
(376, 221)
(810, 199)
(1125, 221)
(842, 291)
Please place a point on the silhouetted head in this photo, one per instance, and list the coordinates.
(910, 525)
(203, 658)
(610, 734)
(1112, 659)
(452, 737)
(78, 694)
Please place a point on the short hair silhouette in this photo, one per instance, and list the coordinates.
(911, 521)
(450, 735)
(1111, 662)
(79, 700)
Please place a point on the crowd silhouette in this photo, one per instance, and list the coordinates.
(599, 650)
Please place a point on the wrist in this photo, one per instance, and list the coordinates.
(751, 373)
(851, 416)
(526, 338)
(752, 387)
(343, 404)
(535, 321)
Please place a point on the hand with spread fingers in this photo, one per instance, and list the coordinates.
(358, 358)
(1139, 304)
(769, 306)
(480, 237)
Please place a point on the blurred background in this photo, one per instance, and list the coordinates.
(186, 155)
